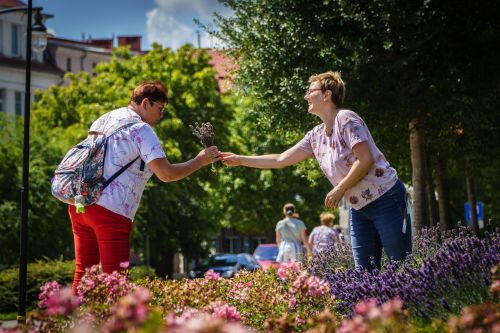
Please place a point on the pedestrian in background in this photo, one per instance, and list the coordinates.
(290, 236)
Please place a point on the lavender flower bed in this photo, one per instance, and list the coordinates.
(454, 274)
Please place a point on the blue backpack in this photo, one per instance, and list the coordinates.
(79, 178)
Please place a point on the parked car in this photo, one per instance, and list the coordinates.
(266, 254)
(226, 264)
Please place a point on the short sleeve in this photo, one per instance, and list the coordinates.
(305, 143)
(148, 143)
(278, 226)
(300, 225)
(352, 129)
(312, 235)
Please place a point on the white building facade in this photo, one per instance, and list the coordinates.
(13, 62)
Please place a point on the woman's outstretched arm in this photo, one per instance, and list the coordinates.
(272, 161)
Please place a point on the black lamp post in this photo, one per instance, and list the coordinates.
(38, 31)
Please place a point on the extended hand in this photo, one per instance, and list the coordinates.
(230, 159)
(333, 197)
(209, 155)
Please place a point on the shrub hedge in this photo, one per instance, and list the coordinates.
(39, 273)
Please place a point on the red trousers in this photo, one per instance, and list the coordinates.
(100, 236)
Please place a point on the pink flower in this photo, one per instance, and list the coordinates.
(125, 264)
(291, 303)
(48, 290)
(363, 307)
(211, 275)
(288, 270)
(130, 312)
(223, 311)
(62, 302)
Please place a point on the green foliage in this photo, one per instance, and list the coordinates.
(39, 273)
(176, 216)
(432, 59)
(141, 272)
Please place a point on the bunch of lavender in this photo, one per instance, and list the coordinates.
(205, 133)
(457, 275)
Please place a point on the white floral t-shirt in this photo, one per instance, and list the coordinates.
(335, 157)
(123, 195)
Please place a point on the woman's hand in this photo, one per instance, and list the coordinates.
(208, 155)
(230, 159)
(333, 197)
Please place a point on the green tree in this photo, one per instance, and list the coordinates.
(418, 65)
(177, 217)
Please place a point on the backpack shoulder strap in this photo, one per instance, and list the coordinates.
(119, 172)
(125, 167)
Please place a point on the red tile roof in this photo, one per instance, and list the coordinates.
(12, 3)
(223, 65)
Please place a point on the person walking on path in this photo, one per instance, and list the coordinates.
(324, 237)
(290, 235)
(348, 156)
(102, 232)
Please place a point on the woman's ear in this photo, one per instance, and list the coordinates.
(328, 95)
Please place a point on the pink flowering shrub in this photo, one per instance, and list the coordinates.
(62, 302)
(130, 312)
(211, 275)
(47, 290)
(223, 311)
(477, 319)
(97, 287)
(252, 298)
(389, 317)
(283, 300)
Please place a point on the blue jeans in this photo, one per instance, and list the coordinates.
(380, 225)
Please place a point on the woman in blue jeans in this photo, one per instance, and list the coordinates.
(357, 169)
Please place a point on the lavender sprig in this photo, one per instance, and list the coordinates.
(204, 132)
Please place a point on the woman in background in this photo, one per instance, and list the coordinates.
(324, 237)
(290, 235)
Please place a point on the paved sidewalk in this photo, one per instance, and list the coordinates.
(9, 324)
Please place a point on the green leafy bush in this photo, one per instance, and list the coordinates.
(137, 273)
(39, 273)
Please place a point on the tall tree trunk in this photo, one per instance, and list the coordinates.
(418, 179)
(443, 194)
(471, 197)
(429, 191)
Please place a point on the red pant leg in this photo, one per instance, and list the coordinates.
(113, 236)
(86, 247)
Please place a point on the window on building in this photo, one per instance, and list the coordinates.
(3, 107)
(232, 244)
(68, 64)
(18, 98)
(16, 40)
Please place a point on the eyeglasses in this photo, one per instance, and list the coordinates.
(309, 91)
(162, 107)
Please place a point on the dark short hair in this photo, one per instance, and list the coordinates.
(152, 90)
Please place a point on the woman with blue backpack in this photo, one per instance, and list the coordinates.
(103, 177)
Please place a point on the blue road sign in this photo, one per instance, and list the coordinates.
(479, 210)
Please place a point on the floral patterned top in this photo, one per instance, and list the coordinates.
(123, 195)
(323, 238)
(335, 157)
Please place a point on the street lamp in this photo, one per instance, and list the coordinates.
(38, 34)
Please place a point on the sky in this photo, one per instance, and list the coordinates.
(167, 22)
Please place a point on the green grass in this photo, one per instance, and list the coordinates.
(8, 316)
